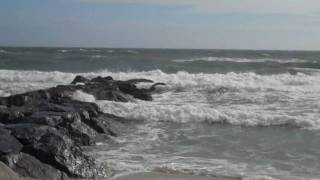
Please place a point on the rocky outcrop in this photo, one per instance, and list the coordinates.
(42, 132)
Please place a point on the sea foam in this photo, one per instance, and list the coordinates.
(248, 99)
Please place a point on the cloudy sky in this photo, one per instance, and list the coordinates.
(213, 24)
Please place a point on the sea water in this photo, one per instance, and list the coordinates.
(250, 114)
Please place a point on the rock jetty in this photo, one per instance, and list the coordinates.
(42, 132)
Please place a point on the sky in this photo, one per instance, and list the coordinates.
(195, 24)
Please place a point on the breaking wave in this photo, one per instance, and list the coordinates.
(64, 50)
(247, 99)
(242, 60)
(3, 51)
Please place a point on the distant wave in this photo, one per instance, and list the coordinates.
(89, 50)
(307, 71)
(3, 51)
(64, 50)
(98, 56)
(241, 60)
(132, 52)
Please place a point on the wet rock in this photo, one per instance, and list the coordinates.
(55, 148)
(153, 87)
(102, 88)
(100, 79)
(28, 166)
(79, 79)
(135, 81)
(135, 92)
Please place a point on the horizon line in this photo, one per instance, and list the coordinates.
(160, 48)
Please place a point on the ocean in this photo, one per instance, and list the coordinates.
(232, 113)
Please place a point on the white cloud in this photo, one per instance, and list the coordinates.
(234, 6)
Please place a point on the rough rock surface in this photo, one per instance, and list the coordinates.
(41, 132)
(28, 166)
(6, 173)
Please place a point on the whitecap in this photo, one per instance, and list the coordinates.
(240, 60)
(64, 50)
(3, 51)
(97, 56)
(82, 96)
(249, 100)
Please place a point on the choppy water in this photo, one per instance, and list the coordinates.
(223, 112)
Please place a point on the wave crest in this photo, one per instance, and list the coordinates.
(242, 60)
(248, 99)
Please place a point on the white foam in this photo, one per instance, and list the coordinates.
(240, 60)
(307, 71)
(84, 97)
(126, 162)
(13, 82)
(98, 56)
(250, 99)
(259, 178)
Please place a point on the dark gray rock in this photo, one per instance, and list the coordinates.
(8, 144)
(153, 87)
(79, 79)
(102, 88)
(28, 166)
(135, 81)
(135, 92)
(78, 131)
(55, 148)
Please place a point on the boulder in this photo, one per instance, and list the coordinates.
(131, 89)
(28, 166)
(56, 149)
(8, 143)
(78, 131)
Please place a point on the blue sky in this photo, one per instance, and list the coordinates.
(213, 24)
